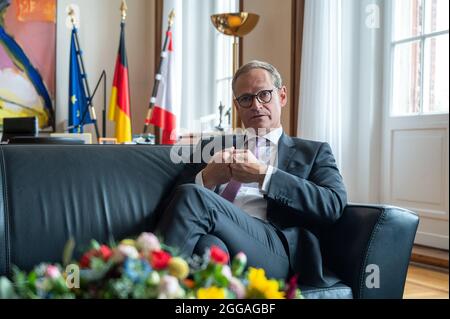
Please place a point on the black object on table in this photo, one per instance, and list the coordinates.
(45, 140)
(19, 126)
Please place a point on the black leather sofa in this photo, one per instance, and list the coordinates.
(50, 193)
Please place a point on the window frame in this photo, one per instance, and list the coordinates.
(222, 82)
(392, 44)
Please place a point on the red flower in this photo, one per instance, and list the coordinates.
(291, 288)
(104, 252)
(160, 259)
(218, 255)
(85, 261)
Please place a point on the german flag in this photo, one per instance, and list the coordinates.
(119, 108)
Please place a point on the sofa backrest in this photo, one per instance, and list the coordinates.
(51, 193)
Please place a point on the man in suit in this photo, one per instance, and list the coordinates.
(271, 196)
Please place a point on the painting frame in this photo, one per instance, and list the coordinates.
(22, 19)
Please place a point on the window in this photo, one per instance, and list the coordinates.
(420, 47)
(224, 66)
(203, 63)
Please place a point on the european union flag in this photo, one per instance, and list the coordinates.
(78, 102)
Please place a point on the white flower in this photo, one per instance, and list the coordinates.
(148, 242)
(169, 288)
(128, 251)
(241, 257)
(226, 271)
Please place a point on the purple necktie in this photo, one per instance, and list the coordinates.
(231, 190)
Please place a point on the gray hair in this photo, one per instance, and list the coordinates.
(276, 77)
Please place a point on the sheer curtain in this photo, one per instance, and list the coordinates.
(341, 89)
(203, 61)
(320, 90)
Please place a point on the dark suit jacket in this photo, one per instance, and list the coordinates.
(306, 196)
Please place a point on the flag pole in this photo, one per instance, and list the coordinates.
(83, 70)
(124, 9)
(158, 74)
(102, 79)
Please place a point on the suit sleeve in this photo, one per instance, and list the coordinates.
(320, 198)
(195, 165)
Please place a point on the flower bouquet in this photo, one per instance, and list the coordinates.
(143, 269)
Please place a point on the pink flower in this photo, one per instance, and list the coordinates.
(148, 243)
(237, 287)
(52, 272)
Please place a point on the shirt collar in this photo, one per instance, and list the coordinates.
(273, 136)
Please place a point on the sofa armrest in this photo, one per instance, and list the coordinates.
(367, 236)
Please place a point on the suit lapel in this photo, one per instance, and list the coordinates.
(239, 141)
(286, 150)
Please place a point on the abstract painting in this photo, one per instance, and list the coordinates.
(28, 59)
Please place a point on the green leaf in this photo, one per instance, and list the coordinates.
(198, 278)
(98, 264)
(20, 281)
(7, 289)
(92, 275)
(171, 250)
(219, 277)
(17, 273)
(32, 278)
(139, 292)
(68, 252)
(95, 245)
(222, 281)
(121, 288)
(59, 286)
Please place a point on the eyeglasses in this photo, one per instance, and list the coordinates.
(246, 100)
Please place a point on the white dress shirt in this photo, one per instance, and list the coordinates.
(250, 197)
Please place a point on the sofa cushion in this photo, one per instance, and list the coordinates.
(52, 193)
(338, 291)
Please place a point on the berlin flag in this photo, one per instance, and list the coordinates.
(163, 114)
(119, 108)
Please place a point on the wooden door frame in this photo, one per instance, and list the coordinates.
(298, 8)
(159, 7)
(298, 12)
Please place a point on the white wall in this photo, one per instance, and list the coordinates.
(270, 41)
(99, 39)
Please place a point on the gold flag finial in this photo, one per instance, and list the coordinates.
(71, 14)
(123, 9)
(171, 17)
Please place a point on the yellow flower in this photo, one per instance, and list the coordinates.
(178, 267)
(211, 293)
(128, 242)
(260, 287)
